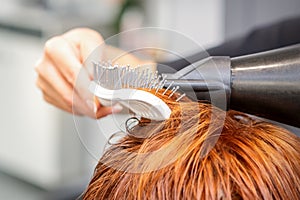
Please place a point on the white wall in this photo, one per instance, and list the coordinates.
(28, 132)
(202, 21)
(244, 15)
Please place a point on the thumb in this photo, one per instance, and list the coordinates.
(103, 111)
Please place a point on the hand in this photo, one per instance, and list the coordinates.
(59, 67)
(62, 63)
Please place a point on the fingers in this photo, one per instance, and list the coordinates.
(64, 58)
(87, 41)
(50, 97)
(51, 82)
(58, 91)
(104, 111)
(59, 68)
(75, 104)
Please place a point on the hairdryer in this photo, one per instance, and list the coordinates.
(264, 84)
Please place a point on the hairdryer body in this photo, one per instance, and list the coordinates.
(265, 84)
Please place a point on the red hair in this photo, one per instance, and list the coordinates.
(197, 154)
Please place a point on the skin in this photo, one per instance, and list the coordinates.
(60, 64)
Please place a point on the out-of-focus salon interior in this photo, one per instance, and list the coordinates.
(42, 155)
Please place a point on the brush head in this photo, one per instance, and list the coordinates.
(131, 87)
(123, 76)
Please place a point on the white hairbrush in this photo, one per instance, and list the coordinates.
(121, 84)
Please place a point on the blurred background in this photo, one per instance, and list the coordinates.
(41, 155)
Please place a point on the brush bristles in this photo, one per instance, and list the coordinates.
(116, 77)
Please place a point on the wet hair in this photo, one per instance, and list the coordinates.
(200, 152)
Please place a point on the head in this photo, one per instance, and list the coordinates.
(197, 154)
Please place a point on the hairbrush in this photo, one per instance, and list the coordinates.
(264, 84)
(131, 88)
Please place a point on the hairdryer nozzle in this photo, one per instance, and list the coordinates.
(266, 84)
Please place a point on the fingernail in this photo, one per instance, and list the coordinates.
(91, 104)
(117, 108)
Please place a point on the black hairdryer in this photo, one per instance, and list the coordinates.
(265, 84)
